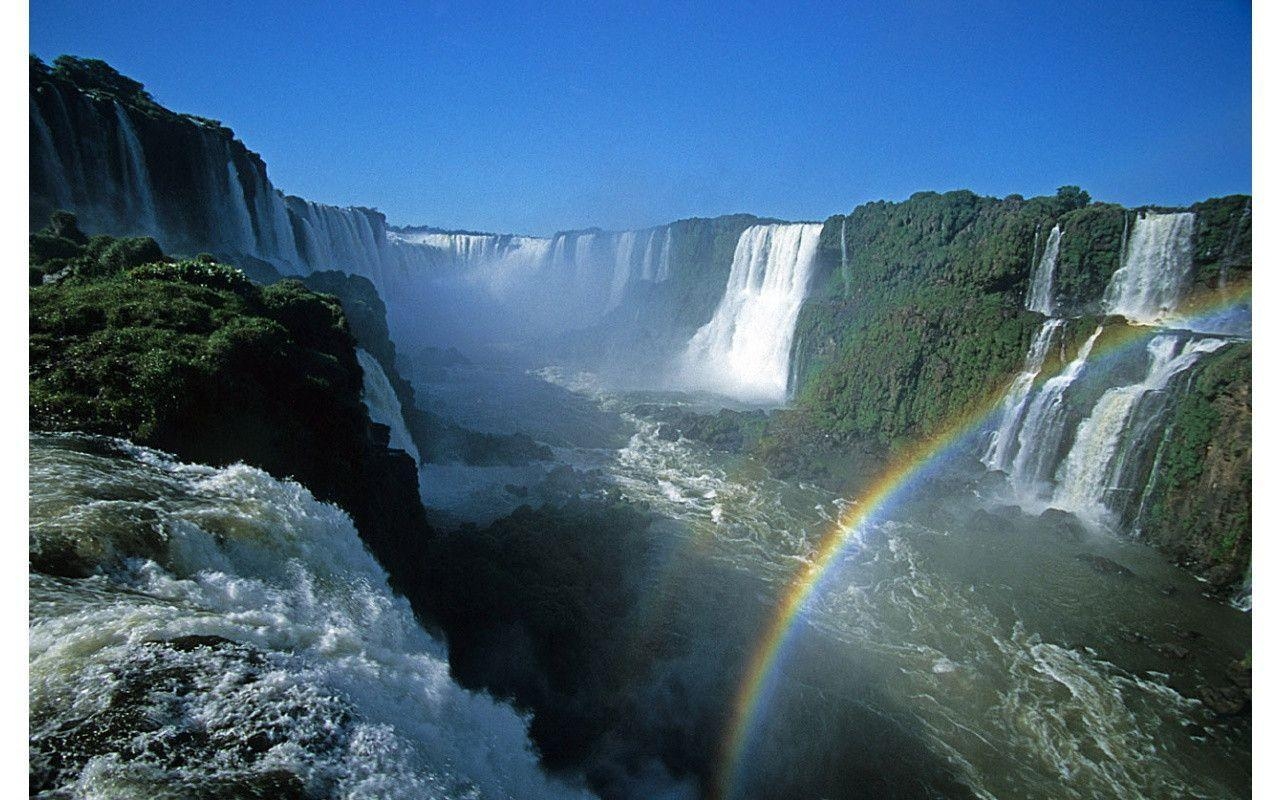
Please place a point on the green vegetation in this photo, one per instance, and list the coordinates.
(1089, 253)
(1224, 241)
(1199, 502)
(191, 357)
(926, 316)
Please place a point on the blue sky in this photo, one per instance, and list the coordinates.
(536, 117)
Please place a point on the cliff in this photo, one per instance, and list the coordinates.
(190, 357)
(1198, 507)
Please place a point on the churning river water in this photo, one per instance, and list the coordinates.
(219, 633)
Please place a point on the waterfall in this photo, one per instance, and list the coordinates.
(1124, 240)
(844, 250)
(45, 153)
(1156, 268)
(1012, 411)
(1040, 435)
(622, 267)
(247, 612)
(571, 279)
(384, 407)
(744, 351)
(664, 257)
(88, 157)
(239, 215)
(1093, 479)
(137, 184)
(1040, 294)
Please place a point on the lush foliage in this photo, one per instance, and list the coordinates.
(923, 317)
(1087, 256)
(1199, 503)
(1224, 240)
(191, 357)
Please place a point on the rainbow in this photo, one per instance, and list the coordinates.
(906, 470)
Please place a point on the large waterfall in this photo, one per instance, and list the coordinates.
(1156, 268)
(1042, 430)
(384, 407)
(590, 271)
(745, 350)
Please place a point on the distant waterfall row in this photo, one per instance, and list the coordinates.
(1082, 438)
(745, 350)
(591, 270)
(194, 188)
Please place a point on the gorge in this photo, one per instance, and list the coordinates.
(882, 505)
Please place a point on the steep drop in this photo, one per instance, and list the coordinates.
(744, 351)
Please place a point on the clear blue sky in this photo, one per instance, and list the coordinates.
(532, 118)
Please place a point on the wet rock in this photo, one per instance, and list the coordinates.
(516, 491)
(1171, 650)
(1187, 635)
(1132, 636)
(186, 644)
(1105, 566)
(1241, 674)
(1062, 524)
(987, 522)
(1223, 700)
(1168, 591)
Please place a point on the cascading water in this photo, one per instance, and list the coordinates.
(1040, 295)
(1014, 408)
(1095, 478)
(87, 157)
(227, 635)
(1157, 266)
(1040, 436)
(384, 407)
(844, 249)
(142, 205)
(745, 350)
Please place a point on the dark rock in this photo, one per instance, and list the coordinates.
(1223, 700)
(1168, 591)
(1062, 524)
(1171, 650)
(1132, 636)
(517, 491)
(186, 644)
(1241, 674)
(1105, 566)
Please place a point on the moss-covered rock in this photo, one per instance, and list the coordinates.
(193, 358)
(1198, 506)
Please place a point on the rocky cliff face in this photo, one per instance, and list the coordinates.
(1198, 507)
(930, 307)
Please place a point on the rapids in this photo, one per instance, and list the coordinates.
(993, 646)
(218, 633)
